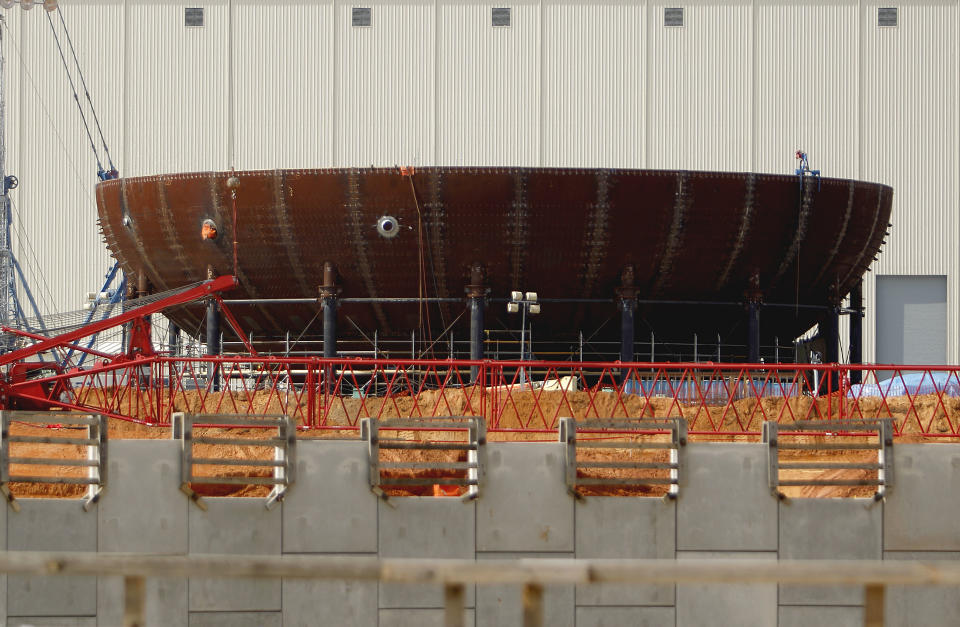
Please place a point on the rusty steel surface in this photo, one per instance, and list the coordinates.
(565, 233)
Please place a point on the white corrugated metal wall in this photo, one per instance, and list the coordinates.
(292, 83)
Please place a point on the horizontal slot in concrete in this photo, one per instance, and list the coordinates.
(236, 619)
(419, 618)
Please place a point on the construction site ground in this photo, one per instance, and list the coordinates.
(928, 410)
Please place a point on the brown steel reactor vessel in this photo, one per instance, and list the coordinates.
(747, 257)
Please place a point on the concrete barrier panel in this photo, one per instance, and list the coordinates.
(626, 528)
(936, 606)
(621, 616)
(524, 505)
(330, 508)
(309, 603)
(143, 509)
(51, 525)
(726, 504)
(237, 526)
(424, 526)
(236, 619)
(502, 605)
(829, 529)
(918, 515)
(419, 618)
(744, 605)
(832, 616)
(166, 602)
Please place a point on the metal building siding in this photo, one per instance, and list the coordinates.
(488, 85)
(909, 104)
(805, 86)
(384, 85)
(699, 88)
(593, 103)
(55, 218)
(176, 88)
(282, 72)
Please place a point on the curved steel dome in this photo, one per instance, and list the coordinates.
(708, 237)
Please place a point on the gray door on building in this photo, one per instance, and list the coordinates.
(911, 320)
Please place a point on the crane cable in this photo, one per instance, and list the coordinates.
(76, 97)
(86, 91)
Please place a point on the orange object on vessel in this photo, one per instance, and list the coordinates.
(446, 490)
(209, 231)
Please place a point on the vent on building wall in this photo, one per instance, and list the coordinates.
(361, 16)
(887, 16)
(501, 16)
(193, 16)
(673, 16)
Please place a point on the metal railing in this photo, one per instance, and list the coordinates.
(514, 395)
(468, 474)
(93, 458)
(623, 434)
(220, 469)
(881, 447)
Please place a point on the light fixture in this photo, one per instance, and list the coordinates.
(26, 5)
(532, 297)
(534, 308)
(50, 5)
(513, 307)
(6, 4)
(516, 295)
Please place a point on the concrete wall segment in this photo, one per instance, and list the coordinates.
(143, 509)
(331, 478)
(829, 529)
(726, 604)
(625, 528)
(923, 474)
(726, 504)
(309, 603)
(937, 605)
(618, 616)
(524, 505)
(235, 526)
(835, 616)
(503, 605)
(51, 525)
(424, 527)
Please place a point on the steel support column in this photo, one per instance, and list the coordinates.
(173, 338)
(213, 340)
(329, 302)
(627, 302)
(856, 330)
(475, 297)
(753, 332)
(754, 297)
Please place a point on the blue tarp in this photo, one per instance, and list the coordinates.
(912, 384)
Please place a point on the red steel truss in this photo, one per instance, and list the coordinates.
(526, 396)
